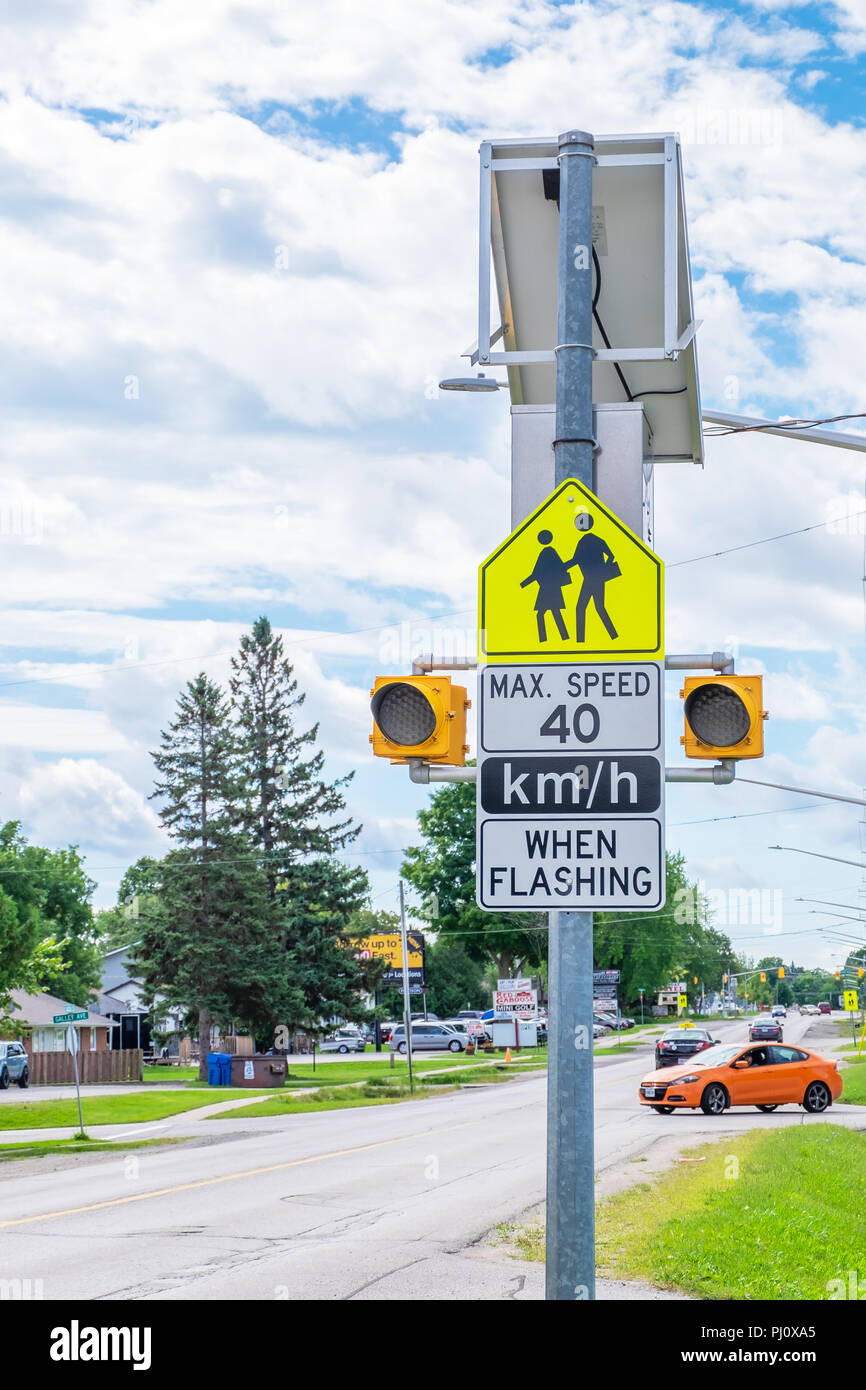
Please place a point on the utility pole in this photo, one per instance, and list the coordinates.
(407, 1005)
(570, 1272)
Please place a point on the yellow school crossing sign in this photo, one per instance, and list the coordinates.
(571, 582)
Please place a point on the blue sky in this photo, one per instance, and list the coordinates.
(238, 248)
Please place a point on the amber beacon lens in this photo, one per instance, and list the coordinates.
(404, 714)
(717, 715)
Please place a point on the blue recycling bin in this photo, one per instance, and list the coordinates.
(219, 1068)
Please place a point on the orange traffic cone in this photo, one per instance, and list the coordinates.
(508, 1054)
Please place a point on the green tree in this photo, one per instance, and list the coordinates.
(51, 893)
(455, 980)
(321, 901)
(210, 939)
(288, 809)
(442, 872)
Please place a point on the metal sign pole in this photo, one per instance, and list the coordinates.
(72, 1044)
(570, 1269)
(407, 1007)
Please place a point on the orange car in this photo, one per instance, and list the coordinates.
(765, 1076)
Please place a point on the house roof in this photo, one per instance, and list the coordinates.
(38, 1010)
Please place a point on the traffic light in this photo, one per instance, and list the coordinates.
(419, 717)
(724, 716)
(724, 979)
(781, 972)
(860, 973)
(763, 977)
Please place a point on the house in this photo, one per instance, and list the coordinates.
(34, 1015)
(120, 999)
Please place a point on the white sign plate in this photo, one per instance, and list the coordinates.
(614, 707)
(515, 1002)
(571, 863)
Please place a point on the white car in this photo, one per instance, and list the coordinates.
(344, 1040)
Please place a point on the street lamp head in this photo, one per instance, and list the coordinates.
(471, 383)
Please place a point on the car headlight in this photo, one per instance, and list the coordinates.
(685, 1080)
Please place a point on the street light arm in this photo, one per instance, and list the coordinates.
(792, 849)
(804, 791)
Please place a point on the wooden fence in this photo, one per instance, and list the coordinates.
(56, 1069)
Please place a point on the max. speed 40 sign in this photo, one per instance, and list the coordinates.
(572, 816)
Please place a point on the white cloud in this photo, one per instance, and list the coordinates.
(82, 801)
(222, 342)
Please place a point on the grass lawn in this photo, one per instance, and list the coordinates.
(165, 1076)
(385, 1090)
(301, 1074)
(335, 1098)
(853, 1081)
(44, 1147)
(134, 1107)
(767, 1215)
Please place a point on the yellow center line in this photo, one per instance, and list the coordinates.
(231, 1177)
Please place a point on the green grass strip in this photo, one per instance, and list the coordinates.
(766, 1215)
(132, 1107)
(43, 1148)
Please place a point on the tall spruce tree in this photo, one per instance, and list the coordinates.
(209, 938)
(289, 810)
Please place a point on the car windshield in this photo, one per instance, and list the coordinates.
(716, 1056)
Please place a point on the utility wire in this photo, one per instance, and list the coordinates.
(716, 431)
(765, 540)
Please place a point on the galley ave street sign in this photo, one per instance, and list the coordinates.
(77, 1017)
(572, 582)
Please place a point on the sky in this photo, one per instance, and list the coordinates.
(237, 253)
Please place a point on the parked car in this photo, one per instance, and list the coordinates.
(679, 1044)
(599, 1030)
(765, 1077)
(603, 1022)
(765, 1029)
(421, 1017)
(428, 1037)
(611, 1021)
(470, 1013)
(13, 1065)
(344, 1040)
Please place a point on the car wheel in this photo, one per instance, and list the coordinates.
(24, 1079)
(401, 1047)
(817, 1098)
(455, 1046)
(4, 1080)
(343, 1048)
(767, 1108)
(663, 1109)
(714, 1101)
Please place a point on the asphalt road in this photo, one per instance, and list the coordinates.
(376, 1203)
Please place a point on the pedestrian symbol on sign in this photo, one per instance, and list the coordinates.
(595, 561)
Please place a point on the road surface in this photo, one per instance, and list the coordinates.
(375, 1203)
